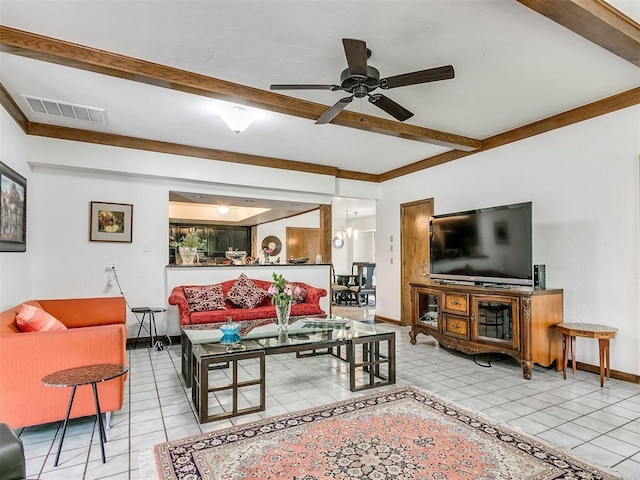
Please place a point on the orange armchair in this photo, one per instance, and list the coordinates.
(96, 333)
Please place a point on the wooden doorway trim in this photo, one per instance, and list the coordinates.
(414, 250)
(326, 233)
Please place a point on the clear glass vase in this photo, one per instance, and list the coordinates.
(188, 255)
(283, 311)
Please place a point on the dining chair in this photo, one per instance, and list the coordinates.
(364, 286)
(339, 290)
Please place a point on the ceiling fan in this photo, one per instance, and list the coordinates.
(360, 79)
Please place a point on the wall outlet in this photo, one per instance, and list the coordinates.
(110, 266)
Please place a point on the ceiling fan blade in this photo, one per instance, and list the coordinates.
(392, 108)
(421, 76)
(356, 53)
(303, 87)
(330, 114)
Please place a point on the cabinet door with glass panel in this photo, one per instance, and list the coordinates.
(426, 304)
(496, 320)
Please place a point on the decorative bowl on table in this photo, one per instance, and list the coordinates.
(298, 261)
(236, 257)
(230, 335)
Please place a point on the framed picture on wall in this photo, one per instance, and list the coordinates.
(13, 210)
(111, 222)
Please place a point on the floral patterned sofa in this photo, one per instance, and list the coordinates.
(241, 299)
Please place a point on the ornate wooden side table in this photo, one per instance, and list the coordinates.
(85, 375)
(603, 333)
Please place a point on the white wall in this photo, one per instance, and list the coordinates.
(583, 182)
(14, 266)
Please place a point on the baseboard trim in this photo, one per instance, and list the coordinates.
(379, 318)
(618, 375)
(146, 341)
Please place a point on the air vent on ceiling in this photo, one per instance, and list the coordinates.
(67, 110)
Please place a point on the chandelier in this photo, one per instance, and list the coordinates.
(350, 230)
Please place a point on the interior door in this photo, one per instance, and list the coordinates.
(303, 243)
(414, 250)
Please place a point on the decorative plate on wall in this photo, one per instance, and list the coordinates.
(338, 242)
(273, 243)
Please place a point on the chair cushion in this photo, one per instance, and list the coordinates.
(34, 319)
(205, 297)
(246, 294)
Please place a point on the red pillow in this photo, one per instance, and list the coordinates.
(34, 319)
(204, 298)
(246, 294)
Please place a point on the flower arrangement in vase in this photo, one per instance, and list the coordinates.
(282, 293)
(267, 252)
(188, 247)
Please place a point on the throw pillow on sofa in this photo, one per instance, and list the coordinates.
(33, 319)
(299, 293)
(246, 294)
(204, 298)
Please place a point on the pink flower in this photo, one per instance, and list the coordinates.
(272, 290)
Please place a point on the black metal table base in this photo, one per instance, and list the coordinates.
(372, 363)
(153, 330)
(103, 436)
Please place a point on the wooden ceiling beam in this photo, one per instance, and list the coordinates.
(88, 136)
(12, 108)
(611, 104)
(99, 61)
(595, 20)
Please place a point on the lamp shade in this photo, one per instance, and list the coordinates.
(237, 118)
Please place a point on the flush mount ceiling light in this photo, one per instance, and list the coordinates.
(237, 118)
(223, 209)
(350, 230)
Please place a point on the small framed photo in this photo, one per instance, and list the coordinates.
(111, 222)
(13, 210)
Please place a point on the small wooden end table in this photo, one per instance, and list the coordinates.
(603, 333)
(85, 375)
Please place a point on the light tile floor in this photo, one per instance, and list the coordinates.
(601, 425)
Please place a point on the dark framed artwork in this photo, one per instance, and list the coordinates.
(111, 222)
(13, 210)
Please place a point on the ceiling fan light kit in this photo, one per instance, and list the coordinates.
(360, 79)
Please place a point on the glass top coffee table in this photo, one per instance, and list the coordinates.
(370, 356)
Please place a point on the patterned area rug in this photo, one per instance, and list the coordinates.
(398, 434)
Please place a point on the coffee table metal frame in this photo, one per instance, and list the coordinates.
(206, 356)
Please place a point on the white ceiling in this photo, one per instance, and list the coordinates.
(513, 66)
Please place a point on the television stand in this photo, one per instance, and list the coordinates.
(519, 322)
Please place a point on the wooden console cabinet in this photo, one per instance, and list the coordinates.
(474, 319)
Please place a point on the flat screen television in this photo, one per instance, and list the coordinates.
(485, 246)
